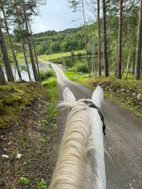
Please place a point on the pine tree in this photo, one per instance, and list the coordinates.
(105, 40)
(138, 55)
(2, 77)
(5, 57)
(119, 41)
(36, 76)
(99, 45)
(11, 44)
(75, 5)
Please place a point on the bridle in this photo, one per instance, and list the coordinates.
(92, 105)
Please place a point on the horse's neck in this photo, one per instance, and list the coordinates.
(96, 178)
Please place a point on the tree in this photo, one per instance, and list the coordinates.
(5, 57)
(99, 45)
(20, 33)
(11, 45)
(2, 77)
(85, 35)
(36, 76)
(119, 41)
(138, 54)
(74, 5)
(35, 54)
(105, 40)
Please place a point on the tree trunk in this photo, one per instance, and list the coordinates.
(138, 55)
(22, 43)
(99, 46)
(36, 76)
(105, 41)
(119, 41)
(2, 77)
(85, 35)
(37, 63)
(11, 45)
(5, 57)
(26, 62)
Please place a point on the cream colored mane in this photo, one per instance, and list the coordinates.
(70, 168)
(80, 163)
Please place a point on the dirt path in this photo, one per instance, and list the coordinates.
(123, 138)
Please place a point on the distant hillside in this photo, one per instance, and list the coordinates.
(63, 41)
(70, 30)
(47, 33)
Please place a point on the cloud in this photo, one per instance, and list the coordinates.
(55, 15)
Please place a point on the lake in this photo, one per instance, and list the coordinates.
(24, 72)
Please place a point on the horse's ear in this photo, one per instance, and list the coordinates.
(97, 96)
(68, 96)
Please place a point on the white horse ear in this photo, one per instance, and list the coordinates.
(97, 96)
(68, 96)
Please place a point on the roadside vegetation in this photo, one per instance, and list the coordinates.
(28, 131)
(126, 93)
(57, 56)
(15, 97)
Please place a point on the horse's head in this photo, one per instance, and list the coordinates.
(97, 96)
(95, 102)
(81, 158)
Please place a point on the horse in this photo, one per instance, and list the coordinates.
(80, 163)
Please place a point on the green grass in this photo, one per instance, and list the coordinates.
(81, 78)
(51, 88)
(24, 180)
(42, 185)
(59, 55)
(126, 99)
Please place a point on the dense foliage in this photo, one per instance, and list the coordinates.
(111, 51)
(52, 42)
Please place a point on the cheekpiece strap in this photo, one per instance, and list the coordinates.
(92, 105)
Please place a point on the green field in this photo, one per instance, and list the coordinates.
(60, 55)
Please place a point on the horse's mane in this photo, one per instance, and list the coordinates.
(70, 168)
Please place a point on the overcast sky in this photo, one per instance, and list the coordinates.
(56, 15)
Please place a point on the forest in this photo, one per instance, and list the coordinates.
(112, 34)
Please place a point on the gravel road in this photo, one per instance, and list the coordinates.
(123, 139)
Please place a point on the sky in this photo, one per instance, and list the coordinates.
(56, 15)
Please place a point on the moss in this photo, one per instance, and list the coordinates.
(123, 92)
(17, 95)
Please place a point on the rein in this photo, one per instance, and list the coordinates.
(92, 105)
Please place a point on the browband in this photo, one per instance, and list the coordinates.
(92, 105)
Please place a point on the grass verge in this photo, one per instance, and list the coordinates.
(50, 85)
(60, 55)
(126, 93)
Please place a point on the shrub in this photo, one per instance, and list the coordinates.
(79, 67)
(49, 51)
(72, 53)
(79, 54)
(46, 74)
